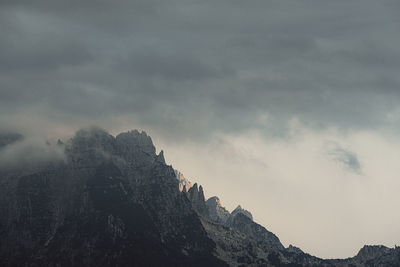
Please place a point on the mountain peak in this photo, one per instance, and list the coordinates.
(196, 196)
(240, 210)
(160, 157)
(216, 211)
(369, 251)
(90, 138)
(215, 200)
(137, 140)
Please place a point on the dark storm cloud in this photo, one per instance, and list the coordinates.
(190, 67)
(175, 66)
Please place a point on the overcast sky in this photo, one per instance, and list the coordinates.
(289, 107)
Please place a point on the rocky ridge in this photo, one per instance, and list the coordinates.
(242, 242)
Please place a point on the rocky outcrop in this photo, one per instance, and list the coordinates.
(241, 220)
(196, 197)
(216, 211)
(234, 247)
(194, 193)
(377, 256)
(293, 249)
(253, 230)
(184, 184)
(240, 210)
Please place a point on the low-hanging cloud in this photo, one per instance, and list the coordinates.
(30, 153)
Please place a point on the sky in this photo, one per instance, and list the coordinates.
(288, 108)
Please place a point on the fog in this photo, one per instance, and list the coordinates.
(30, 152)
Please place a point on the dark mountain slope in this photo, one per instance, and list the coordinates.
(113, 202)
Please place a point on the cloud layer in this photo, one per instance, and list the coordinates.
(225, 64)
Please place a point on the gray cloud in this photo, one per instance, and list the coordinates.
(344, 157)
(222, 64)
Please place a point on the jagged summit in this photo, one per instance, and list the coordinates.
(215, 199)
(91, 145)
(184, 184)
(241, 221)
(196, 197)
(240, 210)
(371, 251)
(137, 139)
(91, 139)
(216, 210)
(160, 157)
(99, 138)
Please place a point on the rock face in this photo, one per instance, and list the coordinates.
(293, 249)
(196, 197)
(184, 184)
(216, 211)
(253, 230)
(240, 210)
(114, 202)
(241, 220)
(248, 244)
(377, 256)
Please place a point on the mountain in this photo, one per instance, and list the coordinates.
(113, 201)
(217, 212)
